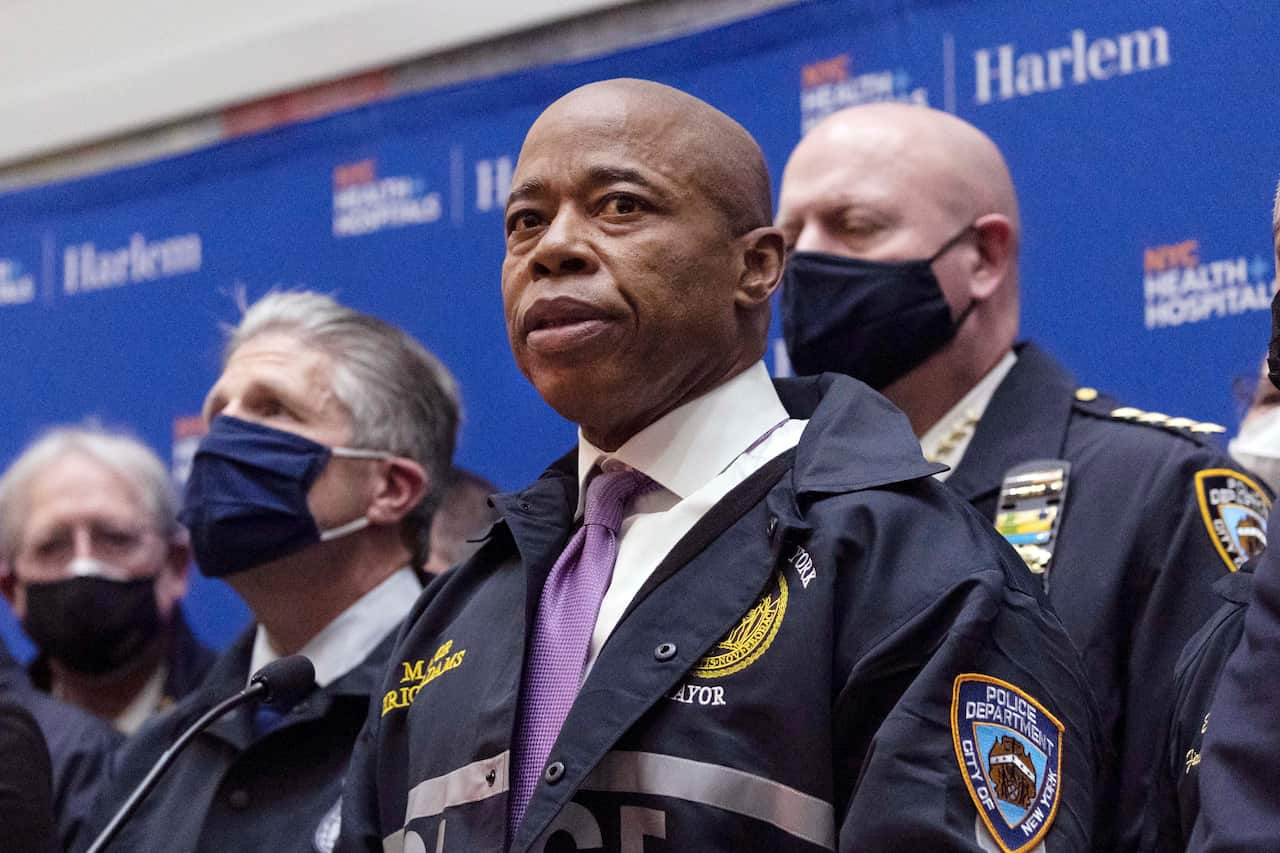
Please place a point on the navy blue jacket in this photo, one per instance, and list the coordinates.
(80, 747)
(1175, 799)
(236, 790)
(1136, 559)
(26, 783)
(1240, 758)
(802, 672)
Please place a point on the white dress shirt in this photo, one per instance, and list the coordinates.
(344, 643)
(697, 454)
(948, 439)
(145, 704)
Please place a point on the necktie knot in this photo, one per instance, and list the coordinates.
(609, 493)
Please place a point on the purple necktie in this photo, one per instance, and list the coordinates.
(567, 614)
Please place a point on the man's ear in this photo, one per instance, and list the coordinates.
(404, 484)
(997, 253)
(764, 251)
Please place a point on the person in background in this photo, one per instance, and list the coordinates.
(462, 518)
(903, 231)
(311, 495)
(737, 615)
(1257, 444)
(95, 565)
(1242, 815)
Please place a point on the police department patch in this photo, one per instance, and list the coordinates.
(1235, 509)
(742, 646)
(1010, 752)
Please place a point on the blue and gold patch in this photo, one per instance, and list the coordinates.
(1010, 752)
(752, 637)
(1234, 509)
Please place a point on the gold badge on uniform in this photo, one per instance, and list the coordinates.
(1029, 514)
(1234, 509)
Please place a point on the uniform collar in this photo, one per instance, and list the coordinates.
(687, 447)
(947, 440)
(1026, 419)
(346, 641)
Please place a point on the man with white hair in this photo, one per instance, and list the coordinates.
(95, 565)
(312, 496)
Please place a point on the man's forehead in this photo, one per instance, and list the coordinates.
(277, 355)
(607, 133)
(871, 165)
(76, 486)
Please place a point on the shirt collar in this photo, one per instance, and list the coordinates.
(143, 705)
(346, 641)
(688, 446)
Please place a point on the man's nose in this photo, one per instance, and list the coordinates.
(814, 238)
(82, 541)
(563, 249)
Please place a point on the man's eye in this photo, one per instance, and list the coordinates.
(523, 220)
(621, 205)
(859, 226)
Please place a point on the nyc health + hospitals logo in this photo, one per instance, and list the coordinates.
(1184, 283)
(365, 203)
(829, 85)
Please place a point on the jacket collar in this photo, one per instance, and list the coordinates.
(856, 439)
(1027, 419)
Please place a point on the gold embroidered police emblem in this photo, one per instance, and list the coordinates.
(1234, 509)
(752, 637)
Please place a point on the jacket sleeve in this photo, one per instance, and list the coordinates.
(966, 723)
(1175, 793)
(1240, 762)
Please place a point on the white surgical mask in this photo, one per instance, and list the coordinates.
(1257, 447)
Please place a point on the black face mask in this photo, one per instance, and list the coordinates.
(90, 623)
(871, 320)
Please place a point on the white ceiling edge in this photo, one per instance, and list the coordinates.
(214, 60)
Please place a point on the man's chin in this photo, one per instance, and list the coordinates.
(582, 394)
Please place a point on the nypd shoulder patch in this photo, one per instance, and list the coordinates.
(1234, 509)
(1010, 753)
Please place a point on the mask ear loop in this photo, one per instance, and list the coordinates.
(358, 453)
(946, 247)
(950, 244)
(358, 524)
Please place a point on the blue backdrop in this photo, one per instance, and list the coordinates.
(1143, 136)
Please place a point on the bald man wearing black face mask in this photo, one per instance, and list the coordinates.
(903, 229)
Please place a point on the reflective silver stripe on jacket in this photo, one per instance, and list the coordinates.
(804, 816)
(467, 784)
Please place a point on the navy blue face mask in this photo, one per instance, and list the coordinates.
(245, 502)
(871, 320)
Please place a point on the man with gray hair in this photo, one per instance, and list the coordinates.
(94, 563)
(311, 495)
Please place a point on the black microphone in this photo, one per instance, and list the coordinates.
(280, 684)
